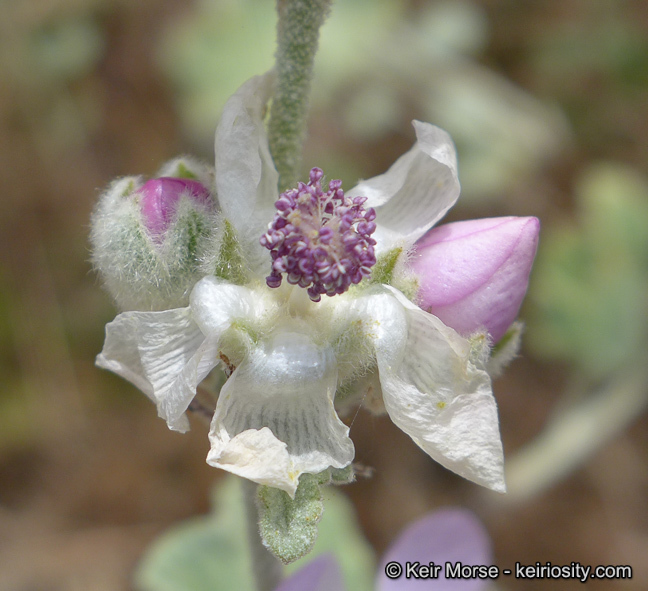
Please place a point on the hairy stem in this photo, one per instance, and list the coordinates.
(297, 39)
(267, 569)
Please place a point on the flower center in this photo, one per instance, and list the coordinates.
(322, 241)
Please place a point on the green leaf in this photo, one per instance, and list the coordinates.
(211, 553)
(288, 526)
(340, 535)
(202, 554)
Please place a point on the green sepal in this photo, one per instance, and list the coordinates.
(288, 527)
(185, 240)
(230, 264)
(408, 285)
(186, 167)
(184, 173)
(480, 350)
(383, 271)
(390, 269)
(506, 349)
(342, 475)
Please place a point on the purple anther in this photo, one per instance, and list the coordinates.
(273, 280)
(321, 240)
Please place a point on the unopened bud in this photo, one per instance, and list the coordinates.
(148, 237)
(159, 200)
(473, 275)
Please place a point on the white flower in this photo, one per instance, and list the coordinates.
(275, 417)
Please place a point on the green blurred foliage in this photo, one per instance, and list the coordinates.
(81, 100)
(65, 48)
(593, 60)
(44, 52)
(210, 553)
(375, 82)
(339, 534)
(590, 282)
(211, 51)
(609, 43)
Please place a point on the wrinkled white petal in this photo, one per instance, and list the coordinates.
(215, 304)
(417, 191)
(382, 318)
(120, 353)
(163, 353)
(246, 180)
(167, 354)
(256, 454)
(443, 401)
(175, 378)
(432, 390)
(286, 385)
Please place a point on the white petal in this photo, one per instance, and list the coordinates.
(215, 304)
(382, 318)
(164, 354)
(175, 376)
(258, 455)
(246, 180)
(431, 389)
(443, 401)
(120, 352)
(286, 385)
(417, 191)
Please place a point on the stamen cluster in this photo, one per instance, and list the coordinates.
(322, 241)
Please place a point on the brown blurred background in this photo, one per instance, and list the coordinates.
(93, 89)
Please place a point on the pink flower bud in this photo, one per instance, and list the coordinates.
(474, 274)
(160, 199)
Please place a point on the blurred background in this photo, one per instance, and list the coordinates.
(548, 105)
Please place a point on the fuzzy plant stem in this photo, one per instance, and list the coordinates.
(297, 38)
(267, 569)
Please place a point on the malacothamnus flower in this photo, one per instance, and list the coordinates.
(292, 356)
